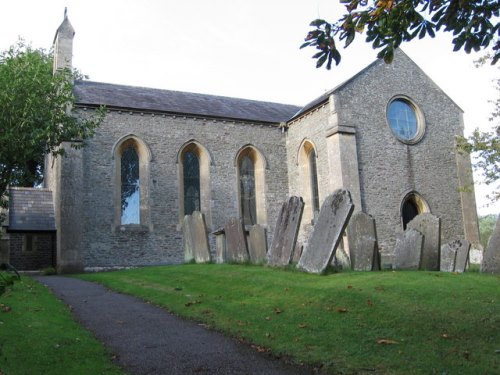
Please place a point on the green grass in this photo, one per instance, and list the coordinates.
(432, 323)
(39, 336)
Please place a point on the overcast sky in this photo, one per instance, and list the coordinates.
(239, 48)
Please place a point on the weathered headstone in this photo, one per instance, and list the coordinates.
(463, 248)
(195, 238)
(285, 233)
(236, 244)
(491, 256)
(220, 245)
(257, 244)
(362, 239)
(408, 250)
(332, 221)
(341, 260)
(297, 252)
(430, 227)
(448, 257)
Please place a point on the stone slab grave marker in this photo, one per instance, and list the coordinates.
(257, 244)
(286, 231)
(327, 233)
(491, 256)
(454, 256)
(363, 247)
(236, 244)
(408, 250)
(220, 245)
(195, 238)
(462, 256)
(430, 227)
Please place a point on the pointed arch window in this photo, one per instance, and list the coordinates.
(130, 186)
(131, 204)
(191, 169)
(247, 190)
(313, 175)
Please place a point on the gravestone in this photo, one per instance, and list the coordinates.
(257, 244)
(297, 252)
(362, 238)
(236, 244)
(285, 233)
(491, 256)
(448, 257)
(463, 248)
(408, 250)
(327, 233)
(220, 245)
(341, 260)
(430, 227)
(195, 238)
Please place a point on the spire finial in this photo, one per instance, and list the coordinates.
(65, 12)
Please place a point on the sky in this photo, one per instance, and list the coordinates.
(236, 48)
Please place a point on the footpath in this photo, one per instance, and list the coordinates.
(149, 340)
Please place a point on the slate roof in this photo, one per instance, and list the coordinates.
(90, 93)
(31, 209)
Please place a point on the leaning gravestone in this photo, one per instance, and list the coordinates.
(408, 250)
(297, 252)
(454, 256)
(257, 244)
(341, 259)
(236, 245)
(491, 256)
(195, 238)
(362, 238)
(285, 233)
(220, 245)
(332, 221)
(448, 257)
(430, 227)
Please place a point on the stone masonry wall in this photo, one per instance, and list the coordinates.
(388, 168)
(41, 256)
(106, 244)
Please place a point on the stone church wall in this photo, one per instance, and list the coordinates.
(389, 168)
(107, 244)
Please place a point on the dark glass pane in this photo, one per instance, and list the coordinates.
(130, 196)
(410, 210)
(402, 119)
(313, 172)
(191, 170)
(247, 191)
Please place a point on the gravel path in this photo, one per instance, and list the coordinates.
(150, 340)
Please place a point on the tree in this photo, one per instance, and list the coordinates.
(486, 227)
(388, 23)
(36, 115)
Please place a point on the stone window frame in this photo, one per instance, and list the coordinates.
(145, 158)
(305, 180)
(421, 125)
(418, 200)
(260, 166)
(29, 246)
(206, 161)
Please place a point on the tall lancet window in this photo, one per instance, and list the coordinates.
(191, 169)
(247, 190)
(313, 174)
(130, 186)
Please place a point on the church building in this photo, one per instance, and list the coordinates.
(387, 135)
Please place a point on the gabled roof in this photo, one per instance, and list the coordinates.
(31, 210)
(323, 98)
(113, 96)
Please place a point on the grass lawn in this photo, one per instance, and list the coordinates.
(39, 336)
(349, 323)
